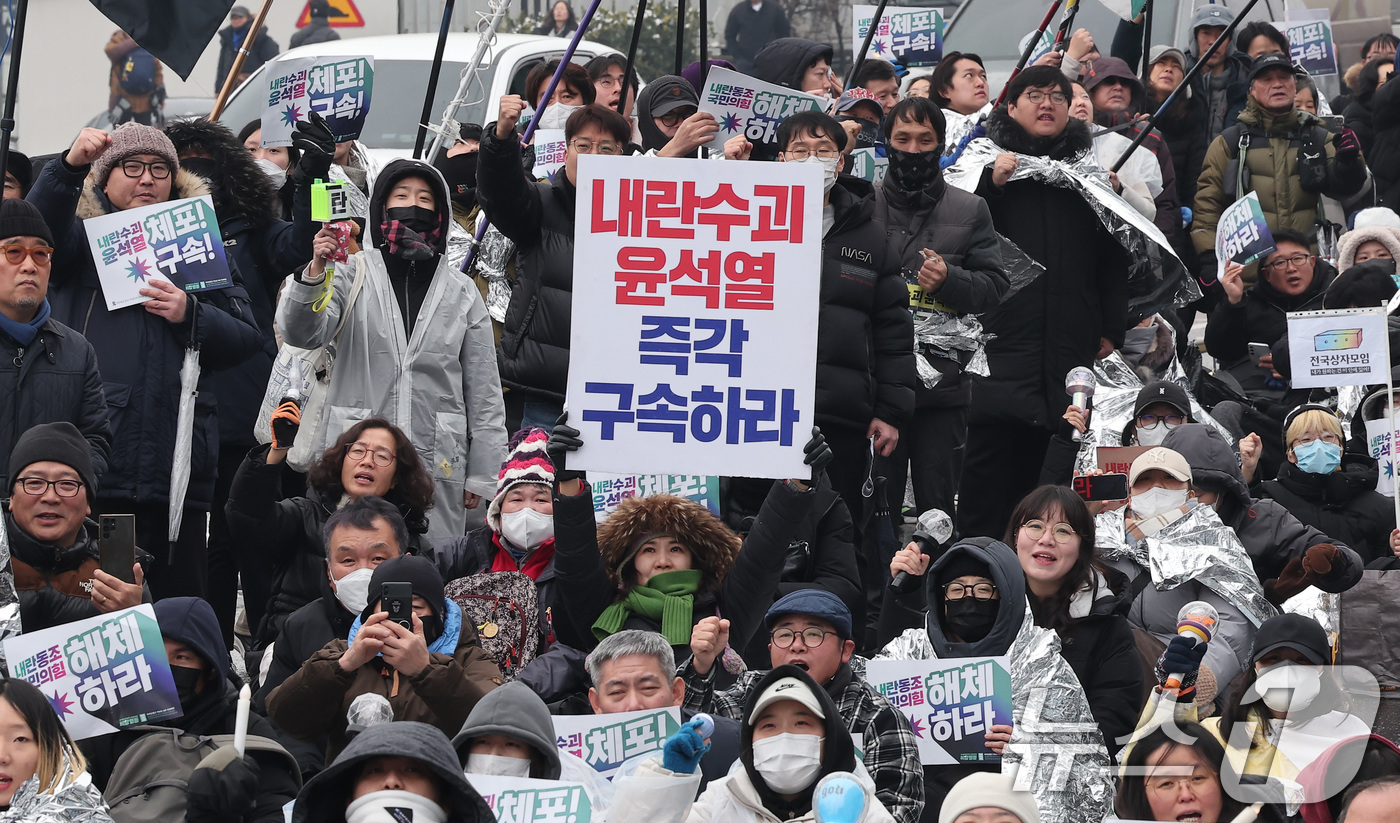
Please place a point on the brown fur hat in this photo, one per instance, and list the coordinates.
(713, 544)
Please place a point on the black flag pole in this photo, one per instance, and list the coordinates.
(1029, 50)
(1195, 70)
(433, 81)
(865, 44)
(1066, 30)
(1147, 44)
(7, 124)
(632, 55)
(680, 35)
(704, 44)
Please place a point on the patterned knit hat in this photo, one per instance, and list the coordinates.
(130, 139)
(527, 462)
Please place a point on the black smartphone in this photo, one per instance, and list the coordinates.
(117, 546)
(1094, 487)
(1257, 352)
(397, 600)
(1333, 123)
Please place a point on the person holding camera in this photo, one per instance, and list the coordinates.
(410, 645)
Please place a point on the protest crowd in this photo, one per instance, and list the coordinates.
(1058, 485)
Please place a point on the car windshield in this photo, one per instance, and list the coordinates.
(982, 28)
(393, 118)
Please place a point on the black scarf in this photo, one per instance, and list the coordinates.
(1008, 134)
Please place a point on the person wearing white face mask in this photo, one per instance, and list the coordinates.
(792, 736)
(1161, 406)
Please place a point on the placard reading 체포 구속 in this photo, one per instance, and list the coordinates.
(101, 673)
(337, 88)
(910, 37)
(177, 241)
(526, 800)
(951, 704)
(604, 741)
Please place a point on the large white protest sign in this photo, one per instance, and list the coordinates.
(604, 741)
(1338, 347)
(336, 87)
(1242, 235)
(910, 37)
(526, 800)
(100, 674)
(753, 108)
(951, 703)
(693, 347)
(177, 241)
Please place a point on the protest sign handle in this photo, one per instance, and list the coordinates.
(7, 125)
(1185, 82)
(865, 45)
(1390, 415)
(680, 36)
(704, 43)
(1030, 49)
(1146, 43)
(1066, 29)
(632, 55)
(231, 81)
(447, 9)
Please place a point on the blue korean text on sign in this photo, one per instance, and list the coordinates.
(911, 37)
(188, 247)
(340, 92)
(1310, 45)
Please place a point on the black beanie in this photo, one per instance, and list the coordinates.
(22, 168)
(19, 218)
(58, 442)
(417, 572)
(962, 564)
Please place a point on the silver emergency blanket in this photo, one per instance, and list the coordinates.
(953, 336)
(1324, 607)
(459, 244)
(1198, 547)
(358, 202)
(1114, 397)
(9, 601)
(960, 125)
(1348, 401)
(78, 801)
(1156, 277)
(184, 439)
(1056, 749)
(493, 255)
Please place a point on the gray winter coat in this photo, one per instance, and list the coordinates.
(324, 797)
(439, 385)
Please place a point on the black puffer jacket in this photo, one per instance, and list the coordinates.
(140, 354)
(865, 336)
(1055, 323)
(54, 583)
(1261, 316)
(1384, 156)
(1343, 504)
(287, 532)
(539, 219)
(1099, 646)
(958, 226)
(265, 249)
(1183, 126)
(52, 379)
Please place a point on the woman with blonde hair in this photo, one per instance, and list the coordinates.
(42, 772)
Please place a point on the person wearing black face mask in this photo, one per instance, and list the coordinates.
(949, 254)
(416, 336)
(458, 166)
(250, 788)
(434, 673)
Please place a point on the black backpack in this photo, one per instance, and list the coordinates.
(138, 74)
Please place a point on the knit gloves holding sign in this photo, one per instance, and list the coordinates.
(562, 440)
(1183, 657)
(286, 421)
(313, 138)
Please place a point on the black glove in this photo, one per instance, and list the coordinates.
(817, 454)
(313, 138)
(227, 795)
(563, 440)
(1347, 145)
(286, 421)
(1183, 656)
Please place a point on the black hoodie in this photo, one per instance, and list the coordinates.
(409, 280)
(784, 61)
(1010, 581)
(838, 750)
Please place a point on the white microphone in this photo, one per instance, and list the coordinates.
(1196, 619)
(1079, 385)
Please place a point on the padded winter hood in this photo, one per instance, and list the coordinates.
(838, 753)
(390, 177)
(191, 621)
(240, 188)
(713, 544)
(513, 710)
(1350, 242)
(1215, 465)
(1314, 776)
(323, 798)
(785, 60)
(1010, 581)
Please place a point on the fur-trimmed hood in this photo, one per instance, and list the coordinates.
(241, 188)
(93, 201)
(713, 544)
(1350, 242)
(1008, 134)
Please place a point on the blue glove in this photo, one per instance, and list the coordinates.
(683, 750)
(1186, 215)
(1183, 656)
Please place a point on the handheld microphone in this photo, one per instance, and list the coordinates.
(1079, 385)
(935, 527)
(1196, 619)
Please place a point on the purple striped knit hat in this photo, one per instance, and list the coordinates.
(526, 462)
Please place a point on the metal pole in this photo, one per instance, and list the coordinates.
(7, 123)
(704, 43)
(1030, 49)
(1185, 81)
(231, 81)
(865, 44)
(1146, 43)
(433, 80)
(1066, 29)
(631, 55)
(486, 37)
(680, 35)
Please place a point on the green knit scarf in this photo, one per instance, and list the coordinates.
(667, 598)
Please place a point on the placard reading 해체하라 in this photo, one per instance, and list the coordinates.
(604, 741)
(753, 108)
(100, 674)
(693, 347)
(1242, 235)
(951, 704)
(177, 241)
(338, 88)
